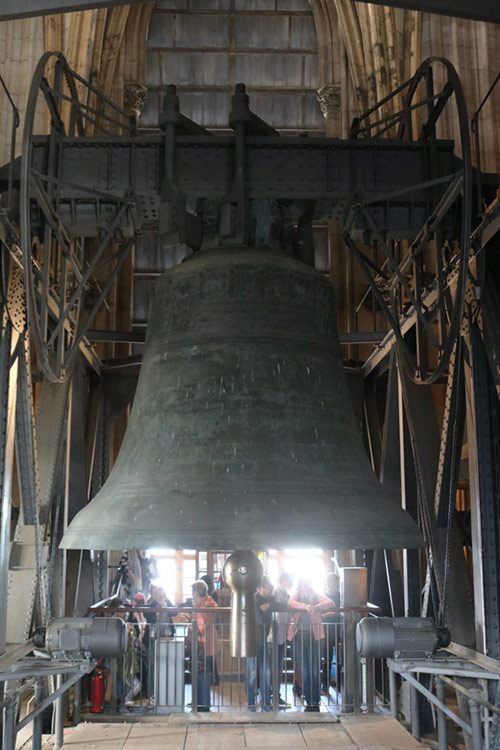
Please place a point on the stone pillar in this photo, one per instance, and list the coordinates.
(134, 96)
(330, 102)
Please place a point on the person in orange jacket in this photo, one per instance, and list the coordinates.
(208, 642)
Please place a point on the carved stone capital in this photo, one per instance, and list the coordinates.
(134, 96)
(329, 98)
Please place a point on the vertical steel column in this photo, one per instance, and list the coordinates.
(26, 443)
(38, 720)
(113, 701)
(30, 578)
(64, 552)
(77, 701)
(275, 666)
(8, 395)
(194, 666)
(9, 721)
(393, 693)
(452, 580)
(415, 713)
(475, 722)
(411, 557)
(484, 466)
(59, 716)
(441, 716)
(355, 595)
(239, 191)
(370, 685)
(351, 668)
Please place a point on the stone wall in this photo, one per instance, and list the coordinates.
(21, 46)
(205, 47)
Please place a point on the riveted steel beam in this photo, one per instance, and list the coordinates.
(11, 9)
(8, 395)
(481, 10)
(484, 466)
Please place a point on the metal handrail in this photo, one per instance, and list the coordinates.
(368, 608)
(475, 129)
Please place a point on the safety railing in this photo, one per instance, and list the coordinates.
(173, 664)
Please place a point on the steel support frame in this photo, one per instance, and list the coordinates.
(452, 671)
(445, 554)
(409, 496)
(416, 685)
(483, 10)
(28, 552)
(484, 466)
(26, 448)
(206, 166)
(38, 449)
(384, 448)
(8, 394)
(37, 668)
(391, 475)
(12, 9)
(489, 317)
(139, 337)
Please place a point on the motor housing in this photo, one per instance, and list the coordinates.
(400, 637)
(84, 638)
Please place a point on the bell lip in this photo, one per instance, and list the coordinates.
(111, 539)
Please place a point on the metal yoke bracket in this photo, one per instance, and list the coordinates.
(176, 225)
(237, 225)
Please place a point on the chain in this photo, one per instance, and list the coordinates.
(443, 612)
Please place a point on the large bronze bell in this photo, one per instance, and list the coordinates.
(242, 434)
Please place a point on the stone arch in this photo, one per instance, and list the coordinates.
(381, 44)
(106, 46)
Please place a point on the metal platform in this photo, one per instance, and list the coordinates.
(356, 733)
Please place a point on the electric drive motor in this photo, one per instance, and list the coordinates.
(400, 637)
(84, 638)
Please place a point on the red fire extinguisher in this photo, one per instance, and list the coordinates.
(97, 690)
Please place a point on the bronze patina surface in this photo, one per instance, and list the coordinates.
(242, 434)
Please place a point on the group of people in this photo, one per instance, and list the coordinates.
(281, 618)
(134, 675)
(312, 640)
